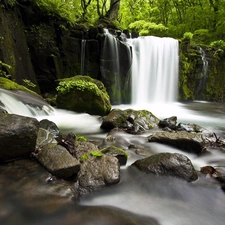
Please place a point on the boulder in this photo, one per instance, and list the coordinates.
(130, 120)
(83, 94)
(217, 173)
(119, 153)
(44, 137)
(18, 136)
(57, 160)
(96, 170)
(170, 123)
(168, 164)
(186, 141)
(51, 127)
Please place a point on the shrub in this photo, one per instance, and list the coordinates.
(218, 44)
(202, 36)
(187, 36)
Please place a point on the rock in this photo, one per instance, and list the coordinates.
(97, 170)
(18, 136)
(44, 137)
(69, 143)
(132, 121)
(119, 153)
(170, 122)
(191, 142)
(51, 127)
(189, 127)
(169, 164)
(84, 147)
(83, 94)
(217, 173)
(58, 161)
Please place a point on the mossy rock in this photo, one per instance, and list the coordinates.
(83, 94)
(119, 153)
(11, 85)
(130, 120)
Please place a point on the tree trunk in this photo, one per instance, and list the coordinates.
(112, 13)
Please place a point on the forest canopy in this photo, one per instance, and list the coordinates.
(205, 19)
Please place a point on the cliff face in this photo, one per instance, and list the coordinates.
(14, 50)
(202, 73)
(42, 48)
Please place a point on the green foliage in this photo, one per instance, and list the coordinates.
(96, 153)
(4, 66)
(218, 44)
(10, 85)
(81, 138)
(92, 153)
(148, 28)
(187, 36)
(67, 84)
(68, 10)
(29, 83)
(202, 36)
(84, 156)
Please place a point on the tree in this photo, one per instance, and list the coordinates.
(112, 13)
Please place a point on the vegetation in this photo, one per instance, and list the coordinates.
(10, 85)
(202, 18)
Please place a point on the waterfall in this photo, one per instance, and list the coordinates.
(110, 66)
(154, 70)
(83, 49)
(204, 62)
(24, 104)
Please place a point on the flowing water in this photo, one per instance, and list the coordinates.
(28, 196)
(154, 70)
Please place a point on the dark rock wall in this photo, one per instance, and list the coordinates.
(14, 50)
(201, 78)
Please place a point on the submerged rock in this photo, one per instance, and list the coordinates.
(130, 120)
(217, 173)
(169, 164)
(18, 136)
(191, 142)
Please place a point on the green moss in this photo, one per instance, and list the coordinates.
(83, 94)
(81, 138)
(96, 153)
(10, 85)
(84, 156)
(114, 150)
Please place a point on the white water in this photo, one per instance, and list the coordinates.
(111, 61)
(154, 70)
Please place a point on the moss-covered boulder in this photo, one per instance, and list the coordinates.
(83, 94)
(130, 120)
(11, 85)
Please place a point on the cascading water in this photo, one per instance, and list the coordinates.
(24, 103)
(200, 88)
(110, 64)
(154, 70)
(83, 49)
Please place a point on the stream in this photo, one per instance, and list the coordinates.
(29, 195)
